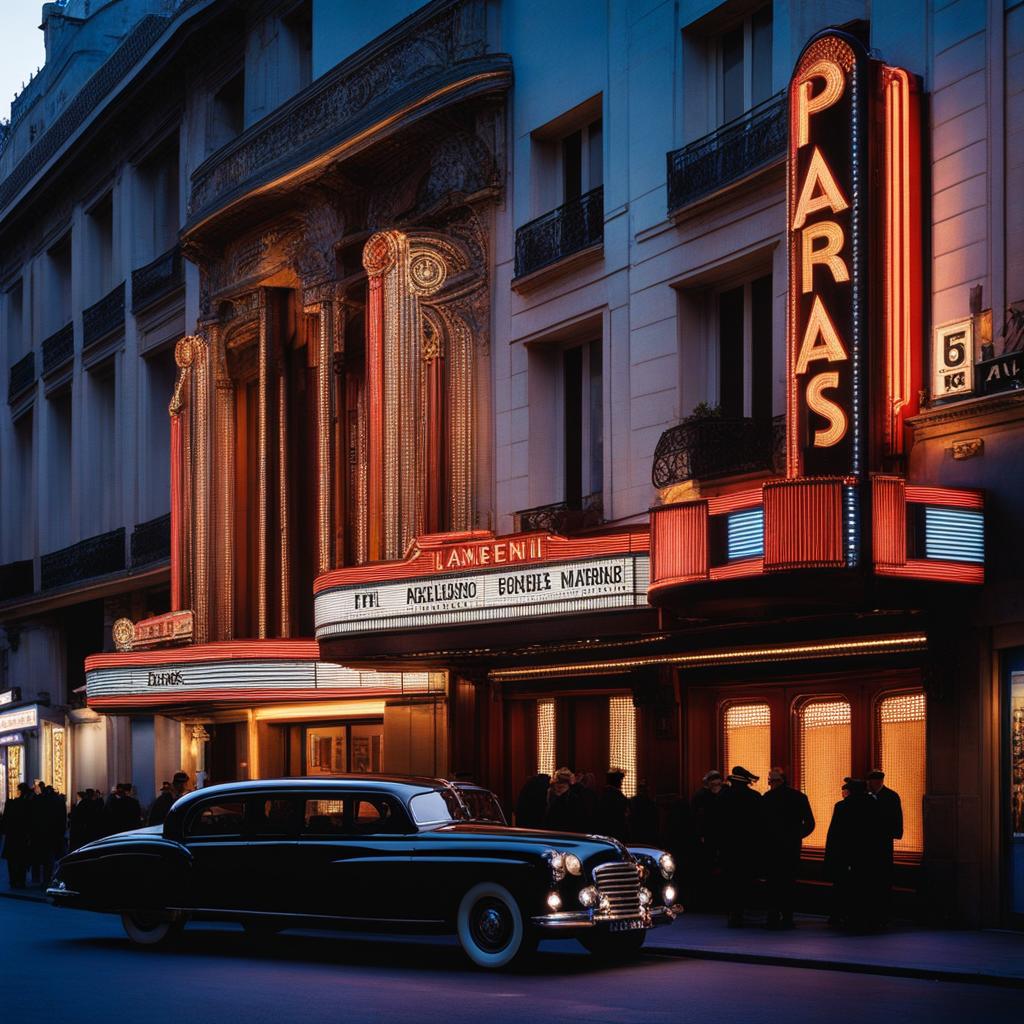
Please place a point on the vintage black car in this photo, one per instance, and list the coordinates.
(369, 852)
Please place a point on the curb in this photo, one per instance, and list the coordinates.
(852, 967)
(26, 897)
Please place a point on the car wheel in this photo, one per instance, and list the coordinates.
(614, 946)
(491, 928)
(150, 928)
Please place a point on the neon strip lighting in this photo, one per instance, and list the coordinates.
(745, 534)
(954, 535)
(698, 659)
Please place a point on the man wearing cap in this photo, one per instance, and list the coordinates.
(707, 808)
(787, 819)
(891, 813)
(740, 827)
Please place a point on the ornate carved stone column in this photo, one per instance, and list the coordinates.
(262, 465)
(224, 488)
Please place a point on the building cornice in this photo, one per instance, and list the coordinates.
(974, 414)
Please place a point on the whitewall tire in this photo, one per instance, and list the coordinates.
(147, 928)
(490, 926)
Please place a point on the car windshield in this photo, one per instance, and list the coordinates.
(436, 807)
(483, 805)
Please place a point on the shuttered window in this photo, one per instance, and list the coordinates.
(546, 737)
(747, 734)
(825, 759)
(901, 745)
(622, 740)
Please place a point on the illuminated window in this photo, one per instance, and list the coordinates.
(748, 740)
(622, 740)
(901, 746)
(546, 737)
(825, 758)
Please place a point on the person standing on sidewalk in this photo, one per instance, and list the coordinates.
(163, 803)
(891, 813)
(17, 827)
(741, 820)
(706, 807)
(787, 820)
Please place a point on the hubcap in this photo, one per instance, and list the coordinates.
(491, 925)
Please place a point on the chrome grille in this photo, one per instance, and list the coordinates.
(619, 883)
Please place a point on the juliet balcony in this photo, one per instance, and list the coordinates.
(737, 152)
(562, 517)
(104, 318)
(574, 230)
(21, 378)
(158, 279)
(822, 523)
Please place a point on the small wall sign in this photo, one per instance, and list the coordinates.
(953, 360)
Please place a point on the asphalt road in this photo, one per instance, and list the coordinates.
(72, 967)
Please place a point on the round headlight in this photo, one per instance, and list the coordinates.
(669, 895)
(667, 863)
(589, 897)
(554, 901)
(645, 897)
(572, 864)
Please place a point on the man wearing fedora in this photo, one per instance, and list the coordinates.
(891, 813)
(740, 826)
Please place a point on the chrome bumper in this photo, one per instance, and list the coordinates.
(570, 919)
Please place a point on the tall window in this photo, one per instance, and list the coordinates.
(227, 113)
(744, 354)
(825, 758)
(546, 737)
(14, 313)
(56, 311)
(297, 24)
(100, 255)
(745, 65)
(622, 740)
(58, 513)
(158, 196)
(747, 740)
(583, 422)
(16, 544)
(901, 746)
(582, 161)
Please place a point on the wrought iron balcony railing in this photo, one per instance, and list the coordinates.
(157, 279)
(151, 541)
(22, 376)
(750, 143)
(95, 556)
(562, 516)
(16, 580)
(103, 318)
(59, 348)
(571, 228)
(715, 446)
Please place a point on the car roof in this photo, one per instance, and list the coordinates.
(408, 785)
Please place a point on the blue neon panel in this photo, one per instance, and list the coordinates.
(745, 533)
(954, 534)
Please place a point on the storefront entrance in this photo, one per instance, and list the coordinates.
(343, 747)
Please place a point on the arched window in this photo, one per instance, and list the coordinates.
(901, 748)
(546, 737)
(825, 759)
(747, 740)
(622, 740)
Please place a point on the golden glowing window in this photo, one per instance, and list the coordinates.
(747, 732)
(825, 758)
(622, 740)
(901, 746)
(546, 736)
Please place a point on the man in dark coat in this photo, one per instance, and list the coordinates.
(163, 803)
(706, 809)
(123, 812)
(741, 820)
(532, 804)
(17, 827)
(891, 811)
(613, 807)
(855, 857)
(565, 809)
(644, 824)
(787, 820)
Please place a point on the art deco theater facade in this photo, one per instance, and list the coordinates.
(439, 335)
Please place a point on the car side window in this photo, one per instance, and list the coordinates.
(324, 818)
(224, 818)
(373, 816)
(272, 816)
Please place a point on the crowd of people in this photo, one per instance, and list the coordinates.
(729, 836)
(37, 830)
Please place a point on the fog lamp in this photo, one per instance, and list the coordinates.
(554, 901)
(670, 895)
(645, 897)
(589, 897)
(557, 862)
(667, 864)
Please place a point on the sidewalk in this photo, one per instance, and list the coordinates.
(905, 950)
(984, 957)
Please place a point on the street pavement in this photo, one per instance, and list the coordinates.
(78, 967)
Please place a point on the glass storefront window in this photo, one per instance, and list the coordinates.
(339, 749)
(747, 735)
(546, 737)
(622, 740)
(825, 759)
(901, 744)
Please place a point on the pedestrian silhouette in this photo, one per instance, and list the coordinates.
(565, 809)
(532, 804)
(787, 820)
(891, 808)
(741, 819)
(17, 830)
(613, 807)
(707, 814)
